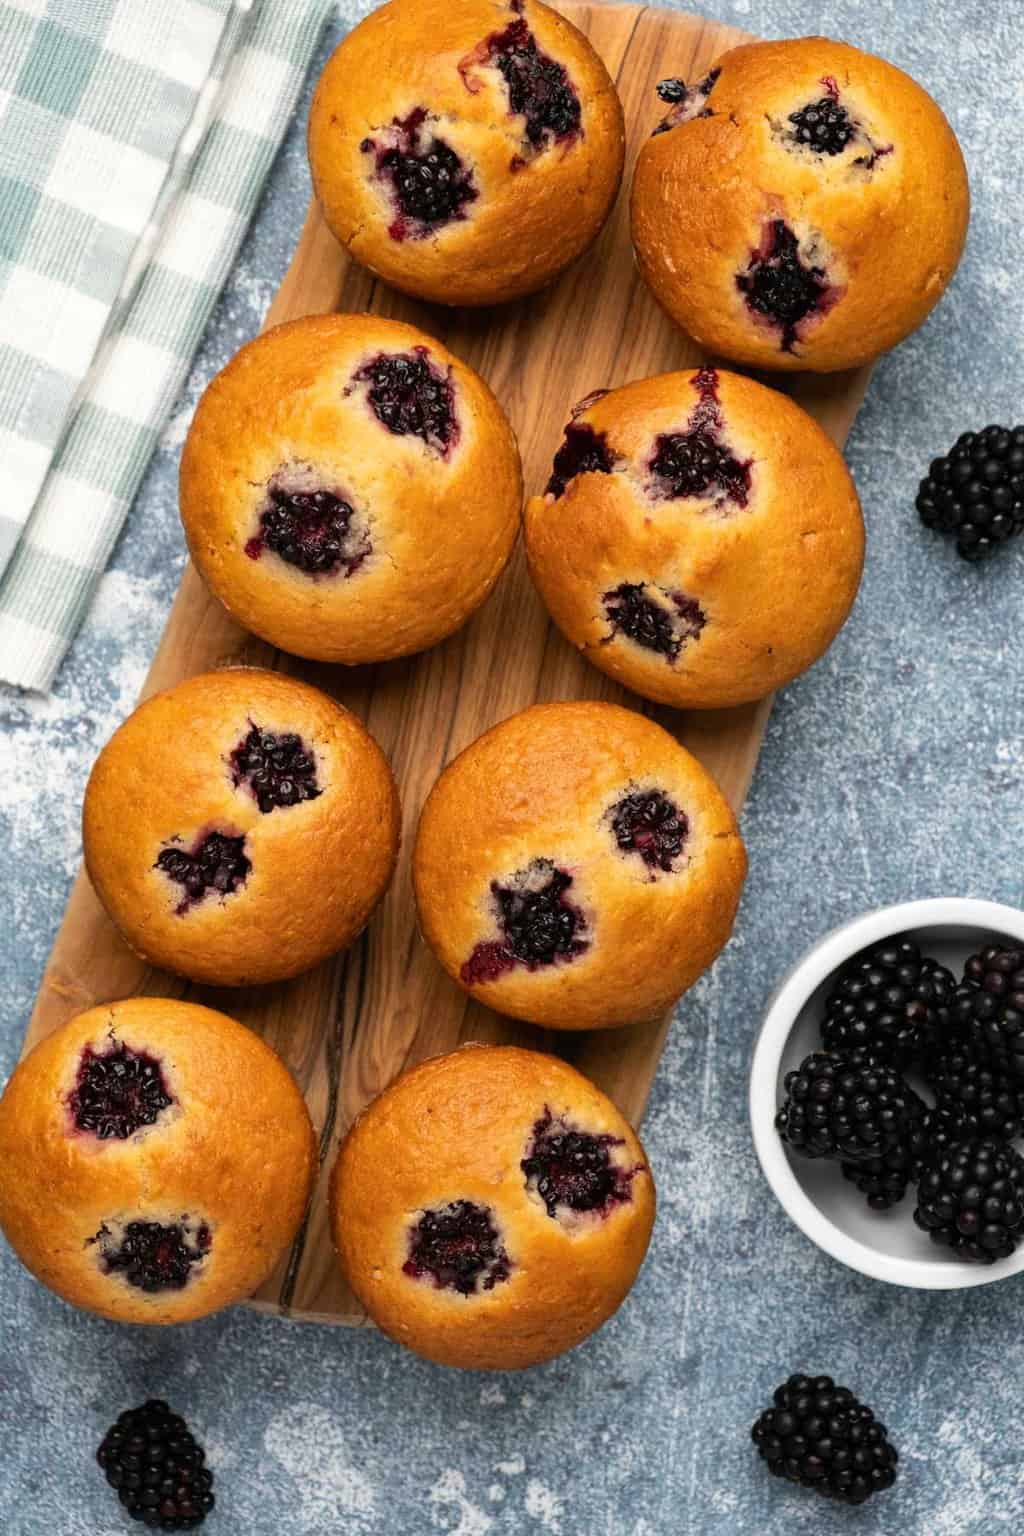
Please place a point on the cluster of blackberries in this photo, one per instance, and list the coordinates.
(820, 1436)
(157, 1468)
(975, 492)
(896, 1011)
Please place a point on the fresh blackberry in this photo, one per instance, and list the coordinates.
(893, 1001)
(158, 1469)
(820, 1436)
(883, 1181)
(975, 1097)
(976, 492)
(823, 126)
(988, 1008)
(970, 1199)
(848, 1107)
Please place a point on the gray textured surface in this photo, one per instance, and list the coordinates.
(892, 770)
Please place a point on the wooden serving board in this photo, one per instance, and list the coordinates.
(351, 1026)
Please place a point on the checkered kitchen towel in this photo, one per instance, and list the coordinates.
(135, 136)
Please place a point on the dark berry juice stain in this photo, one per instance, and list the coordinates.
(217, 862)
(570, 1168)
(153, 1257)
(780, 286)
(877, 152)
(539, 926)
(458, 1246)
(698, 462)
(279, 770)
(430, 184)
(583, 451)
(311, 530)
(539, 88)
(661, 626)
(823, 126)
(411, 396)
(647, 822)
(685, 101)
(117, 1092)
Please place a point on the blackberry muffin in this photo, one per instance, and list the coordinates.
(350, 491)
(156, 1159)
(803, 206)
(700, 539)
(240, 827)
(577, 867)
(514, 1215)
(466, 153)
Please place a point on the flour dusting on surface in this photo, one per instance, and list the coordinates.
(311, 1448)
(449, 1502)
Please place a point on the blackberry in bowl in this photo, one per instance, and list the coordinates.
(854, 1200)
(830, 196)
(491, 1208)
(674, 545)
(576, 867)
(482, 173)
(156, 1159)
(200, 814)
(350, 490)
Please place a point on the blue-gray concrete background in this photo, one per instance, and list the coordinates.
(891, 771)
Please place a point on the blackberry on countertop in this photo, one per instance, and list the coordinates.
(820, 1436)
(976, 491)
(157, 1468)
(970, 1199)
(893, 1001)
(988, 1009)
(847, 1106)
(975, 1097)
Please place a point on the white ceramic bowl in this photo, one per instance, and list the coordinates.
(826, 1207)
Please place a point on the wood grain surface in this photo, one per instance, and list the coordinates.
(349, 1027)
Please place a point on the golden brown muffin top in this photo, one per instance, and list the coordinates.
(469, 1228)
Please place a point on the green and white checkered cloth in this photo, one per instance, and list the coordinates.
(135, 136)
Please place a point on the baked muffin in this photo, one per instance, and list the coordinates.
(491, 1208)
(803, 206)
(700, 540)
(156, 1159)
(577, 867)
(240, 827)
(466, 153)
(350, 491)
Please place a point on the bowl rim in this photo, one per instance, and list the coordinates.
(823, 958)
